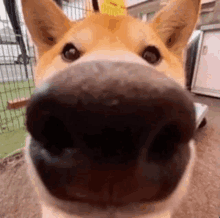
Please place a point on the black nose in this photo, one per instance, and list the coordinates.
(110, 133)
(110, 111)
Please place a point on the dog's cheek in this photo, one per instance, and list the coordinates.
(47, 69)
(173, 70)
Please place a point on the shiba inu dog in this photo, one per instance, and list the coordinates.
(110, 122)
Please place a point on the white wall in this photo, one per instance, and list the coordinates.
(134, 2)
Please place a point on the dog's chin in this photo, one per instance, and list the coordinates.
(54, 207)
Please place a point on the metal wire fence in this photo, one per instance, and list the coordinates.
(16, 70)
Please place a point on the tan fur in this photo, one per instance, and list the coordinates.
(103, 37)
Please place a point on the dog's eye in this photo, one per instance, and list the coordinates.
(151, 54)
(70, 53)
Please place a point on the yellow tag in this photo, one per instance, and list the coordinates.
(113, 7)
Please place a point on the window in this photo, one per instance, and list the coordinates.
(146, 17)
(150, 15)
(141, 15)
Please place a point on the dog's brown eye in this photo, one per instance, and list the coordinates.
(70, 53)
(151, 54)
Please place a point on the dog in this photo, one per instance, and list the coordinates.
(110, 122)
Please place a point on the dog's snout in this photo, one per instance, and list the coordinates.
(110, 104)
(110, 112)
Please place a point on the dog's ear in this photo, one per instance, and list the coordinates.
(176, 22)
(45, 21)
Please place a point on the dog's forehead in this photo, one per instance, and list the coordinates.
(104, 29)
(109, 22)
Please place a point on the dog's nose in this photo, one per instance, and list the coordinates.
(110, 106)
(110, 112)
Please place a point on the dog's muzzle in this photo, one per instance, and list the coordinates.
(110, 133)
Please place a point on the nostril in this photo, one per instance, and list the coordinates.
(165, 143)
(55, 135)
(45, 122)
(52, 132)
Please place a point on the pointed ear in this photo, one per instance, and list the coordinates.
(176, 22)
(45, 21)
